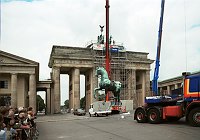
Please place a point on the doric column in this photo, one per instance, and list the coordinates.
(176, 86)
(95, 83)
(133, 77)
(168, 90)
(147, 84)
(76, 85)
(52, 100)
(141, 102)
(48, 100)
(89, 88)
(52, 94)
(70, 92)
(32, 91)
(130, 85)
(14, 90)
(56, 80)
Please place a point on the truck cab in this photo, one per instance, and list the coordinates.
(191, 87)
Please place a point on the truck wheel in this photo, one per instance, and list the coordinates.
(96, 114)
(140, 116)
(154, 116)
(194, 117)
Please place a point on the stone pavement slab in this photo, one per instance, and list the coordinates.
(59, 117)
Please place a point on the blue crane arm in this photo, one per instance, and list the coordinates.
(157, 63)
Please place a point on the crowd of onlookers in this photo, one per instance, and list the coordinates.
(17, 123)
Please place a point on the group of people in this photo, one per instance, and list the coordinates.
(17, 123)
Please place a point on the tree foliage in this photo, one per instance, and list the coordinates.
(66, 104)
(40, 103)
(82, 103)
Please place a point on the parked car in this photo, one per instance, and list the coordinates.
(79, 112)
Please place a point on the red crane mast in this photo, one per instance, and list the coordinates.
(107, 60)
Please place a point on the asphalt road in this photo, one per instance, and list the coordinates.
(115, 127)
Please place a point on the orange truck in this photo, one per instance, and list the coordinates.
(170, 108)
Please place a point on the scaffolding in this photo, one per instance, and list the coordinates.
(118, 62)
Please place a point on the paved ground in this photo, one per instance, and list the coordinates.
(59, 117)
(116, 127)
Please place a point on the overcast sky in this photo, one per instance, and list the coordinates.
(29, 28)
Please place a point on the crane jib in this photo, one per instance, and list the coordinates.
(157, 63)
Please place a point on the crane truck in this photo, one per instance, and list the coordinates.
(161, 108)
(171, 108)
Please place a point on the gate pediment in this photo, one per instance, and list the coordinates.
(10, 59)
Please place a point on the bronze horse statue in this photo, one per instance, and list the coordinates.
(107, 84)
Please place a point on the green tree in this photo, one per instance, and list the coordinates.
(40, 103)
(66, 104)
(82, 102)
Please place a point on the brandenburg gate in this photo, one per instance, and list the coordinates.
(132, 69)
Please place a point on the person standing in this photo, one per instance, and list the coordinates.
(2, 132)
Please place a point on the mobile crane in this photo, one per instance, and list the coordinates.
(161, 108)
(111, 103)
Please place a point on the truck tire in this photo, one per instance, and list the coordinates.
(140, 116)
(194, 117)
(154, 116)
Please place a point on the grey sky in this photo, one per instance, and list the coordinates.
(29, 28)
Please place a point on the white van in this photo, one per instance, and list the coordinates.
(100, 108)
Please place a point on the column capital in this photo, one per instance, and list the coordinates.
(32, 76)
(56, 67)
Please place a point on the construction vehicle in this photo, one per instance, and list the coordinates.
(171, 108)
(157, 63)
(115, 102)
(160, 108)
(106, 82)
